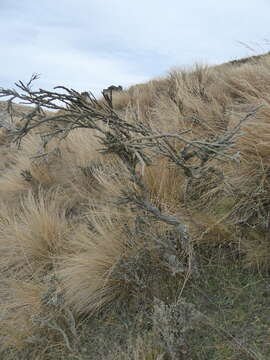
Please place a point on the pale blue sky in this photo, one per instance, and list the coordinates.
(89, 45)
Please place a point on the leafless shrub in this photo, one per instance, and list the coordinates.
(108, 256)
(133, 143)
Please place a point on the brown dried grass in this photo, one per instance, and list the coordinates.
(37, 236)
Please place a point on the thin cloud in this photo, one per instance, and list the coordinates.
(95, 43)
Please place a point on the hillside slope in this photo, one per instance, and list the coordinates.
(137, 226)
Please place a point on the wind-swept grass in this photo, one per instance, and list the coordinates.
(118, 221)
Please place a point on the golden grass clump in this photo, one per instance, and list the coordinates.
(85, 173)
(166, 184)
(80, 148)
(86, 272)
(26, 170)
(32, 237)
(138, 101)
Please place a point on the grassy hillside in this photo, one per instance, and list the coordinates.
(137, 226)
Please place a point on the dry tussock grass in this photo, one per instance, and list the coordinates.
(86, 272)
(61, 219)
(166, 184)
(40, 171)
(34, 234)
(80, 148)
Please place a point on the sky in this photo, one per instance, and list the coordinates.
(92, 44)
